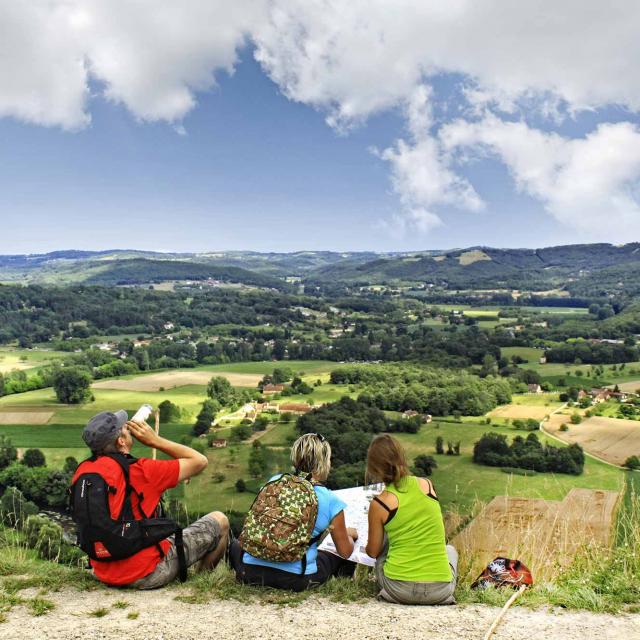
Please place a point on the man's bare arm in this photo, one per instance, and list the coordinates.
(191, 462)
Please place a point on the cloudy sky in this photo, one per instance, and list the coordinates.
(318, 124)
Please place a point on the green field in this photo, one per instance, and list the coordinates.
(27, 359)
(187, 398)
(461, 483)
(529, 354)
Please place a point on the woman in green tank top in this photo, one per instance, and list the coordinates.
(406, 532)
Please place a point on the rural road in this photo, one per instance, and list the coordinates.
(161, 617)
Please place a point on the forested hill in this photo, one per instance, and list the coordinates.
(64, 267)
(485, 266)
(579, 269)
(143, 271)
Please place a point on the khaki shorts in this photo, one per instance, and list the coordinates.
(405, 592)
(199, 538)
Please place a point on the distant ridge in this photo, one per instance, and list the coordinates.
(475, 267)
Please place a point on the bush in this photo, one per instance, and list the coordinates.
(47, 538)
(15, 508)
(8, 453)
(72, 385)
(169, 412)
(33, 458)
(439, 445)
(217, 477)
(70, 465)
(243, 432)
(576, 418)
(424, 465)
(633, 462)
(564, 427)
(241, 485)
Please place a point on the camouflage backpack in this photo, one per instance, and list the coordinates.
(279, 525)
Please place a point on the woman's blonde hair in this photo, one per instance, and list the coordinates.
(386, 461)
(311, 453)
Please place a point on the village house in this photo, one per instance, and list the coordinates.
(534, 388)
(410, 413)
(299, 408)
(600, 395)
(219, 443)
(268, 389)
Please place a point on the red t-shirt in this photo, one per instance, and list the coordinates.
(149, 478)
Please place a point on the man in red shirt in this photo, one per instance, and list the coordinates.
(204, 540)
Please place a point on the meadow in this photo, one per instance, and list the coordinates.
(27, 359)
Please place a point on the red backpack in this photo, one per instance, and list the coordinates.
(104, 536)
(504, 572)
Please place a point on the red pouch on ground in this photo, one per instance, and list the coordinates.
(504, 572)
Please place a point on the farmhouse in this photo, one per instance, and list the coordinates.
(272, 388)
(219, 443)
(412, 414)
(534, 388)
(600, 395)
(298, 408)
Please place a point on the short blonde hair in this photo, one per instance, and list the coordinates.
(311, 453)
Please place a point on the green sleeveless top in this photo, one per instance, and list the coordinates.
(416, 537)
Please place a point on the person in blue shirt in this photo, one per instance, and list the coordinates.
(310, 454)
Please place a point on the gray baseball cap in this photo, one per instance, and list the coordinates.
(103, 429)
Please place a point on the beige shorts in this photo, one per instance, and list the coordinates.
(199, 538)
(404, 592)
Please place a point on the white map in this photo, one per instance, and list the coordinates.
(356, 515)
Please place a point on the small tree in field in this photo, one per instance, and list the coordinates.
(424, 465)
(33, 458)
(72, 385)
(241, 485)
(440, 445)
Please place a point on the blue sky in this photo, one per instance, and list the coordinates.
(270, 160)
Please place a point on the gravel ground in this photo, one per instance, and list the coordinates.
(162, 618)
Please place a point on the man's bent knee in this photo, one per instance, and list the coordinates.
(221, 519)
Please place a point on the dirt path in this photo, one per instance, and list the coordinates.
(162, 618)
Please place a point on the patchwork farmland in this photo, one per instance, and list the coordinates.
(610, 439)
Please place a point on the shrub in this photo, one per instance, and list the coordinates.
(440, 445)
(564, 427)
(576, 418)
(241, 485)
(33, 458)
(15, 508)
(632, 462)
(169, 412)
(424, 465)
(217, 477)
(70, 465)
(72, 385)
(8, 453)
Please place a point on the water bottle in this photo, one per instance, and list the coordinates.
(142, 414)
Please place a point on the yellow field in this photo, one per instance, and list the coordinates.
(521, 411)
(631, 386)
(611, 439)
(25, 417)
(173, 379)
(544, 534)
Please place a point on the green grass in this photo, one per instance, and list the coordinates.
(27, 359)
(529, 354)
(461, 483)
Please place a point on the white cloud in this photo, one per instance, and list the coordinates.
(42, 75)
(582, 182)
(153, 56)
(353, 59)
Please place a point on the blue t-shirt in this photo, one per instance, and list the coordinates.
(329, 506)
